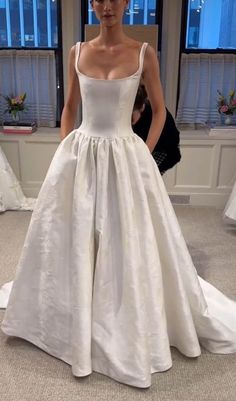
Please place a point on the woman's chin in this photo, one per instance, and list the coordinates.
(109, 22)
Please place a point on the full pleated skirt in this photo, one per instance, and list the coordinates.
(105, 281)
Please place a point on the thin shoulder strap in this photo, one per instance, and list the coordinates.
(77, 53)
(141, 56)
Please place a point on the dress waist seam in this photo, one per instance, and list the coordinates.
(109, 137)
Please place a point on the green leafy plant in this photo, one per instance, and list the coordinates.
(226, 105)
(15, 104)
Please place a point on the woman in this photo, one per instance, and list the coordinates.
(166, 152)
(104, 261)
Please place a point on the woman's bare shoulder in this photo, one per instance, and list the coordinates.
(132, 43)
(150, 53)
(89, 43)
(73, 48)
(72, 51)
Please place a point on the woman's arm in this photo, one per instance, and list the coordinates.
(152, 82)
(73, 99)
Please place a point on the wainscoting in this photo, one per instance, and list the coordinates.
(204, 176)
(207, 170)
(30, 156)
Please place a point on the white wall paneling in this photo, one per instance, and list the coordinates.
(204, 176)
(207, 170)
(30, 157)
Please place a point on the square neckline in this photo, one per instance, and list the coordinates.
(140, 65)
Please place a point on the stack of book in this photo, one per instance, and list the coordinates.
(24, 128)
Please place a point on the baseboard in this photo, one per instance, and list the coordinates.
(180, 199)
(200, 199)
(31, 191)
(196, 199)
(216, 200)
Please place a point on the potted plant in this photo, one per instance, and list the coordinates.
(227, 106)
(15, 105)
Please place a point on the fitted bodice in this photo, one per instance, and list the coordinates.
(107, 105)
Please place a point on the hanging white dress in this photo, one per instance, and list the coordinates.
(105, 281)
(11, 195)
(230, 208)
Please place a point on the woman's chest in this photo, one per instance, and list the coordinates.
(109, 65)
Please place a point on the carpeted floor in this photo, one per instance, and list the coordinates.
(29, 374)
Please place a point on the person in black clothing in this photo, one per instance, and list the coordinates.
(166, 152)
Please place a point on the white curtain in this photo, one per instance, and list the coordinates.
(200, 77)
(33, 72)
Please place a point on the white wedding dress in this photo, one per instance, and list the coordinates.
(230, 208)
(11, 195)
(105, 281)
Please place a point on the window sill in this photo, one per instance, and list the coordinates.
(53, 135)
(216, 133)
(43, 133)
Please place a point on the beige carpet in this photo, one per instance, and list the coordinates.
(29, 374)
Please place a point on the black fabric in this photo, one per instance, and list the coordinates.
(160, 158)
(168, 142)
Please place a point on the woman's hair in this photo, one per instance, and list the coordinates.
(141, 98)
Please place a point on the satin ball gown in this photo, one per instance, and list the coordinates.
(105, 281)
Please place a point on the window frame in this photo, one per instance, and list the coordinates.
(183, 34)
(183, 49)
(59, 62)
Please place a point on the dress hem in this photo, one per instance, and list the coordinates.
(96, 365)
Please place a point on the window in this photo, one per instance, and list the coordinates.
(208, 59)
(29, 31)
(211, 24)
(28, 23)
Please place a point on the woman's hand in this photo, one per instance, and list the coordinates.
(137, 114)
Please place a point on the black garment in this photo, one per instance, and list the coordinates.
(166, 152)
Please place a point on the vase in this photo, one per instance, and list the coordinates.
(228, 120)
(15, 117)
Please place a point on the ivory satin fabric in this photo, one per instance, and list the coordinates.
(230, 208)
(11, 195)
(105, 281)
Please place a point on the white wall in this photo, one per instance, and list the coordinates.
(171, 28)
(70, 31)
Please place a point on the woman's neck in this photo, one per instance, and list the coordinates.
(111, 36)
